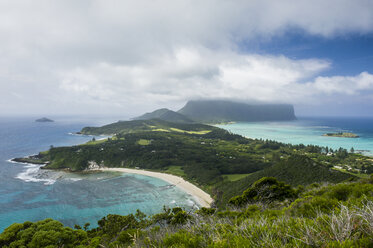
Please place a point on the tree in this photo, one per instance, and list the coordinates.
(266, 190)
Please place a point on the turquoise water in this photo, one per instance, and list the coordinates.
(30, 194)
(310, 130)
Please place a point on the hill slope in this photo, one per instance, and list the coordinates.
(166, 115)
(144, 125)
(220, 111)
(297, 170)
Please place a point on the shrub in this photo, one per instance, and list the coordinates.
(266, 190)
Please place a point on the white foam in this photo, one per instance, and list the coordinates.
(13, 162)
(73, 179)
(173, 202)
(31, 174)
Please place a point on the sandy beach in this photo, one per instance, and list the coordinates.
(201, 197)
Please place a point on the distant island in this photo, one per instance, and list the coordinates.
(341, 135)
(44, 119)
(221, 111)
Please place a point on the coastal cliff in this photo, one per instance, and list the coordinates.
(213, 111)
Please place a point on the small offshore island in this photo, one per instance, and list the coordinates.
(44, 119)
(255, 192)
(341, 135)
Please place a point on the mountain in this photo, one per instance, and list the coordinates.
(220, 111)
(144, 125)
(166, 115)
(44, 119)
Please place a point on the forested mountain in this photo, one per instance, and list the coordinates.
(143, 125)
(166, 115)
(212, 111)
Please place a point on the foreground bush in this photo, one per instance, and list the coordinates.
(338, 215)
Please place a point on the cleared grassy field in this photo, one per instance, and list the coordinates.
(95, 142)
(190, 132)
(143, 142)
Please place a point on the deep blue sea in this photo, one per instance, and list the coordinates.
(28, 193)
(309, 130)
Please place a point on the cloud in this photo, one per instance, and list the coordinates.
(117, 56)
(343, 85)
(190, 74)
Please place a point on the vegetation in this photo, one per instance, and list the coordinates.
(221, 163)
(342, 135)
(166, 115)
(267, 194)
(122, 127)
(321, 215)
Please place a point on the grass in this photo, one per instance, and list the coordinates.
(235, 177)
(95, 142)
(176, 170)
(360, 175)
(160, 130)
(190, 132)
(143, 142)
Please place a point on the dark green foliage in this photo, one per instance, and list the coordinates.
(202, 159)
(206, 211)
(266, 190)
(166, 115)
(175, 216)
(297, 170)
(45, 233)
(143, 125)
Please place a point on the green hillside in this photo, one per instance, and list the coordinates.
(166, 115)
(296, 170)
(222, 163)
(212, 111)
(144, 125)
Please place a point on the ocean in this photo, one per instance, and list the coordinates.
(309, 130)
(30, 194)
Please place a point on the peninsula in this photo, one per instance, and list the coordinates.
(218, 162)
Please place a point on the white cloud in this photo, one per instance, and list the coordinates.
(343, 85)
(110, 56)
(190, 74)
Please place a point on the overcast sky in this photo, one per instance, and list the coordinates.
(128, 57)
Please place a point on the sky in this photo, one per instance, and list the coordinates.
(118, 57)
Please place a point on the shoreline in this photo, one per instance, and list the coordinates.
(201, 196)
